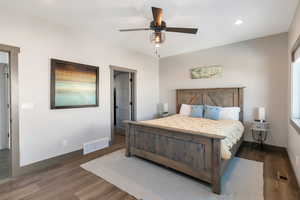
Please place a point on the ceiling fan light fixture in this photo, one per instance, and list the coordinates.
(158, 38)
(158, 28)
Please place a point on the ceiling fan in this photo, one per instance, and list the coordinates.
(158, 26)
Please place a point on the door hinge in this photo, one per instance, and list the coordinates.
(130, 103)
(130, 80)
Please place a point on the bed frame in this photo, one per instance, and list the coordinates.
(193, 153)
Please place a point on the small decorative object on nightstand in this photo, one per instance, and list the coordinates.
(163, 115)
(260, 130)
(164, 110)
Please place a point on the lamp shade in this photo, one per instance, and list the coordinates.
(261, 114)
(165, 108)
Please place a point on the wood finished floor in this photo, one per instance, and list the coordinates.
(276, 164)
(67, 181)
(119, 139)
(4, 172)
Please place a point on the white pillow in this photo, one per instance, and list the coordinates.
(230, 113)
(185, 109)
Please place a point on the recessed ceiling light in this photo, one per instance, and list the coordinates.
(238, 22)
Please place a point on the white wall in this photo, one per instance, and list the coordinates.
(259, 65)
(294, 137)
(42, 131)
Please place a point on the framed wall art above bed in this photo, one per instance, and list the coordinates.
(207, 72)
(73, 85)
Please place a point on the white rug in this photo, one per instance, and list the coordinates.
(145, 180)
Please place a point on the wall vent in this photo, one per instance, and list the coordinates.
(95, 145)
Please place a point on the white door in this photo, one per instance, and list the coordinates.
(123, 107)
(4, 107)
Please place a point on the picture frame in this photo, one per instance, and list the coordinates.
(73, 85)
(207, 72)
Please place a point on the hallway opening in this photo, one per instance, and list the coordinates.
(4, 116)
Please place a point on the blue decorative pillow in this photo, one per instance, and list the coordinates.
(212, 112)
(197, 111)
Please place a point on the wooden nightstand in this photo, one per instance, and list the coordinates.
(260, 131)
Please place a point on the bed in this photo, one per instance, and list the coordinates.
(194, 151)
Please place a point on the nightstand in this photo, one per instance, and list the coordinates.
(260, 131)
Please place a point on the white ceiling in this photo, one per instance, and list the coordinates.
(214, 18)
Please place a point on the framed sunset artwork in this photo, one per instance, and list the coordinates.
(73, 85)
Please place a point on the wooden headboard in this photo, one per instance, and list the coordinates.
(225, 97)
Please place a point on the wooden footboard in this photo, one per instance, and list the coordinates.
(193, 153)
(198, 155)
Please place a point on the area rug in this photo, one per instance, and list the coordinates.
(145, 180)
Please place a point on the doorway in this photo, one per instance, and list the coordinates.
(9, 108)
(123, 101)
(4, 116)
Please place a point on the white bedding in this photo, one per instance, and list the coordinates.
(232, 129)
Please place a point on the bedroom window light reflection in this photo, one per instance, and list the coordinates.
(295, 75)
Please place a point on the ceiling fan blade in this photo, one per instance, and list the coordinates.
(157, 15)
(182, 30)
(134, 29)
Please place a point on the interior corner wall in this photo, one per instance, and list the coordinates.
(260, 65)
(46, 133)
(293, 137)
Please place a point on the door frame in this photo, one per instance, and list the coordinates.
(14, 153)
(114, 68)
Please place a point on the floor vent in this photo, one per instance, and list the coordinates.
(281, 177)
(95, 145)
